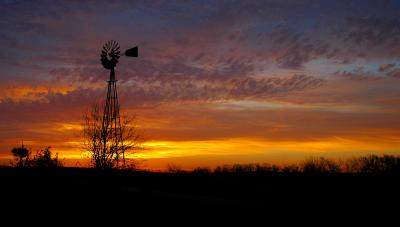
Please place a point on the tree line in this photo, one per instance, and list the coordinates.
(313, 165)
(42, 159)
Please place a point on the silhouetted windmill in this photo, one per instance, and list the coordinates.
(111, 131)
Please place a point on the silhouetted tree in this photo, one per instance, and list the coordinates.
(222, 169)
(94, 142)
(293, 168)
(262, 168)
(201, 170)
(44, 159)
(374, 164)
(173, 168)
(320, 165)
(22, 154)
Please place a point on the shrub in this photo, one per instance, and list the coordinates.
(320, 165)
(22, 154)
(172, 168)
(43, 159)
(291, 169)
(201, 170)
(374, 164)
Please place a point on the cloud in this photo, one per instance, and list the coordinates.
(369, 37)
(158, 90)
(386, 67)
(395, 73)
(299, 53)
(373, 31)
(358, 74)
(209, 34)
(29, 93)
(281, 123)
(56, 104)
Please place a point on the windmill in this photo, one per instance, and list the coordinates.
(111, 131)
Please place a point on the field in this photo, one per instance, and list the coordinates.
(135, 192)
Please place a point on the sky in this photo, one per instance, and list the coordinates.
(216, 82)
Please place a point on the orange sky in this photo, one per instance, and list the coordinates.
(196, 134)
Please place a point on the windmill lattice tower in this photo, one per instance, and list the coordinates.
(111, 132)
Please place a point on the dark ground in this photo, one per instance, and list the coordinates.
(74, 192)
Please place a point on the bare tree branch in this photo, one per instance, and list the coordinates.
(105, 157)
